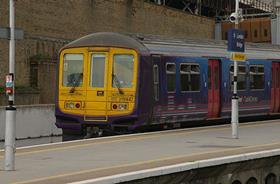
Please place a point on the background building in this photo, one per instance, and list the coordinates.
(50, 24)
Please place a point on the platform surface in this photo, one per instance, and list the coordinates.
(93, 158)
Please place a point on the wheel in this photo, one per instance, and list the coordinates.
(93, 132)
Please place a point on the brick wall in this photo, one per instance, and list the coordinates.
(49, 24)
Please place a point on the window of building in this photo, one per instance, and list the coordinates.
(256, 76)
(156, 82)
(171, 77)
(252, 180)
(236, 182)
(34, 74)
(265, 32)
(246, 34)
(241, 77)
(189, 77)
(271, 179)
(256, 33)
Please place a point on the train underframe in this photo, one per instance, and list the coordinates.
(87, 130)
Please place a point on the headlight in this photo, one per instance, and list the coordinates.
(119, 106)
(72, 105)
(122, 106)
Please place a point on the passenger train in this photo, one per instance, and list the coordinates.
(122, 82)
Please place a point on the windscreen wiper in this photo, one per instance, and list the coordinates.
(76, 84)
(117, 82)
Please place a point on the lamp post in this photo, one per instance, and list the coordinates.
(234, 100)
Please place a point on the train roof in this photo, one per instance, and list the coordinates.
(174, 46)
(110, 39)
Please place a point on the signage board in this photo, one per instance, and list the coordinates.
(236, 40)
(237, 56)
(9, 84)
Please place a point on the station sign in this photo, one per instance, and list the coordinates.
(237, 56)
(236, 40)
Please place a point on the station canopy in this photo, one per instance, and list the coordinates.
(221, 9)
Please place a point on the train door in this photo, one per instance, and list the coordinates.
(275, 88)
(97, 92)
(214, 92)
(156, 87)
(156, 78)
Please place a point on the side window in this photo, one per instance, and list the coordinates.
(184, 77)
(171, 77)
(241, 77)
(189, 77)
(256, 77)
(156, 82)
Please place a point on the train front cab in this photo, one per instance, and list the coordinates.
(96, 86)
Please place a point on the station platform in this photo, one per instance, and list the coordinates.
(98, 159)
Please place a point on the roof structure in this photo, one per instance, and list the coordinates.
(223, 8)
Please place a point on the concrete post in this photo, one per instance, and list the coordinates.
(11, 110)
(10, 139)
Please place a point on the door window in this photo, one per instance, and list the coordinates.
(97, 70)
(216, 78)
(209, 78)
(278, 78)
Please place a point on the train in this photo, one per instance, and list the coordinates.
(122, 82)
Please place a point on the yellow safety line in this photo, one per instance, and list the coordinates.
(142, 162)
(200, 130)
